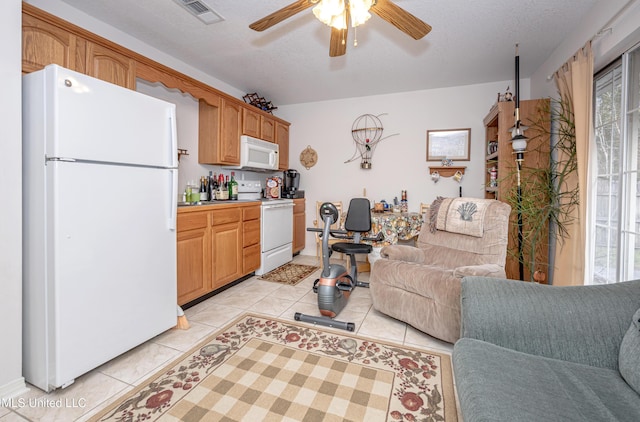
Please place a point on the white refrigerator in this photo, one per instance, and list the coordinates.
(99, 215)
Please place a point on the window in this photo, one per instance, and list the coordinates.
(616, 210)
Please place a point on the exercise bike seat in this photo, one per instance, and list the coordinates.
(358, 221)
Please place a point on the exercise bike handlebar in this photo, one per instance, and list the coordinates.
(344, 234)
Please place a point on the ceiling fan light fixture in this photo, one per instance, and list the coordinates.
(359, 11)
(334, 12)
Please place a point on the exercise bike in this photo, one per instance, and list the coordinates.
(336, 282)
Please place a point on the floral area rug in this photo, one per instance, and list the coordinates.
(259, 369)
(289, 273)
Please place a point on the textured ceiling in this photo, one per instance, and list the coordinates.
(471, 42)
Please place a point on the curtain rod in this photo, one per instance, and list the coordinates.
(604, 30)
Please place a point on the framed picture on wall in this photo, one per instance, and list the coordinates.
(452, 144)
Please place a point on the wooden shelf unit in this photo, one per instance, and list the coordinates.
(498, 123)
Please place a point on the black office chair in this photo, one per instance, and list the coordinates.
(358, 222)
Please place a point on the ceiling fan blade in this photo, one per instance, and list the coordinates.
(401, 19)
(338, 43)
(280, 15)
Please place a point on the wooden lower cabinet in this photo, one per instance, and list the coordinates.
(216, 245)
(194, 256)
(226, 245)
(250, 239)
(299, 229)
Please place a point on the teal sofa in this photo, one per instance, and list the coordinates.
(532, 352)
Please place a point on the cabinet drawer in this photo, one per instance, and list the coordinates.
(251, 213)
(192, 220)
(250, 232)
(298, 206)
(230, 215)
(250, 259)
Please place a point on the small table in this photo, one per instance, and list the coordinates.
(395, 226)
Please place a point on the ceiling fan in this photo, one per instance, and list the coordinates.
(348, 10)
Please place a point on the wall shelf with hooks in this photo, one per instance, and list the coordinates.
(447, 171)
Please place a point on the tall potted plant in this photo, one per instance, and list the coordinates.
(547, 198)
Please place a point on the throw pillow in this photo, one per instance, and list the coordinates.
(433, 213)
(629, 358)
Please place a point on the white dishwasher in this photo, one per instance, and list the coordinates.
(276, 226)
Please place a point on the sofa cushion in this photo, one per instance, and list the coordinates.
(629, 358)
(499, 384)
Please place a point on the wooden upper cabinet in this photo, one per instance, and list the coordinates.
(256, 125)
(230, 129)
(219, 128)
(267, 129)
(108, 65)
(250, 123)
(282, 139)
(43, 44)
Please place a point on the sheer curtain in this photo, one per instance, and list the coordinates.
(575, 84)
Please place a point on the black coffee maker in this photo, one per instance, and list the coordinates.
(291, 181)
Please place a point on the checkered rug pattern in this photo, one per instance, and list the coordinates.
(266, 381)
(262, 369)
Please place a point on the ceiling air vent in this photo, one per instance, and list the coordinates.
(201, 11)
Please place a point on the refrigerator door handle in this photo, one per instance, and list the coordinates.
(173, 144)
(173, 205)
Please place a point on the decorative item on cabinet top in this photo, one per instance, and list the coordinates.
(258, 101)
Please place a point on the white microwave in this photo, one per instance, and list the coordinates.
(256, 154)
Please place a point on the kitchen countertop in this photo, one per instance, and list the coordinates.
(183, 207)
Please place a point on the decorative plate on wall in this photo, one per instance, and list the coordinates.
(308, 157)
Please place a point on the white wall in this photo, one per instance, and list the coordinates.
(625, 31)
(11, 381)
(399, 162)
(187, 127)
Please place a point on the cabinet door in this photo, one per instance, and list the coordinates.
(43, 44)
(193, 256)
(267, 129)
(226, 243)
(282, 139)
(208, 130)
(250, 259)
(250, 233)
(108, 65)
(299, 229)
(250, 122)
(299, 232)
(230, 127)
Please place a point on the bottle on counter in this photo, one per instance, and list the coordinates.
(222, 193)
(233, 187)
(203, 189)
(211, 192)
(404, 205)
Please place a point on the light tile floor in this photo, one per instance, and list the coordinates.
(95, 390)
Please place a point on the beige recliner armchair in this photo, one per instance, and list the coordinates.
(421, 285)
